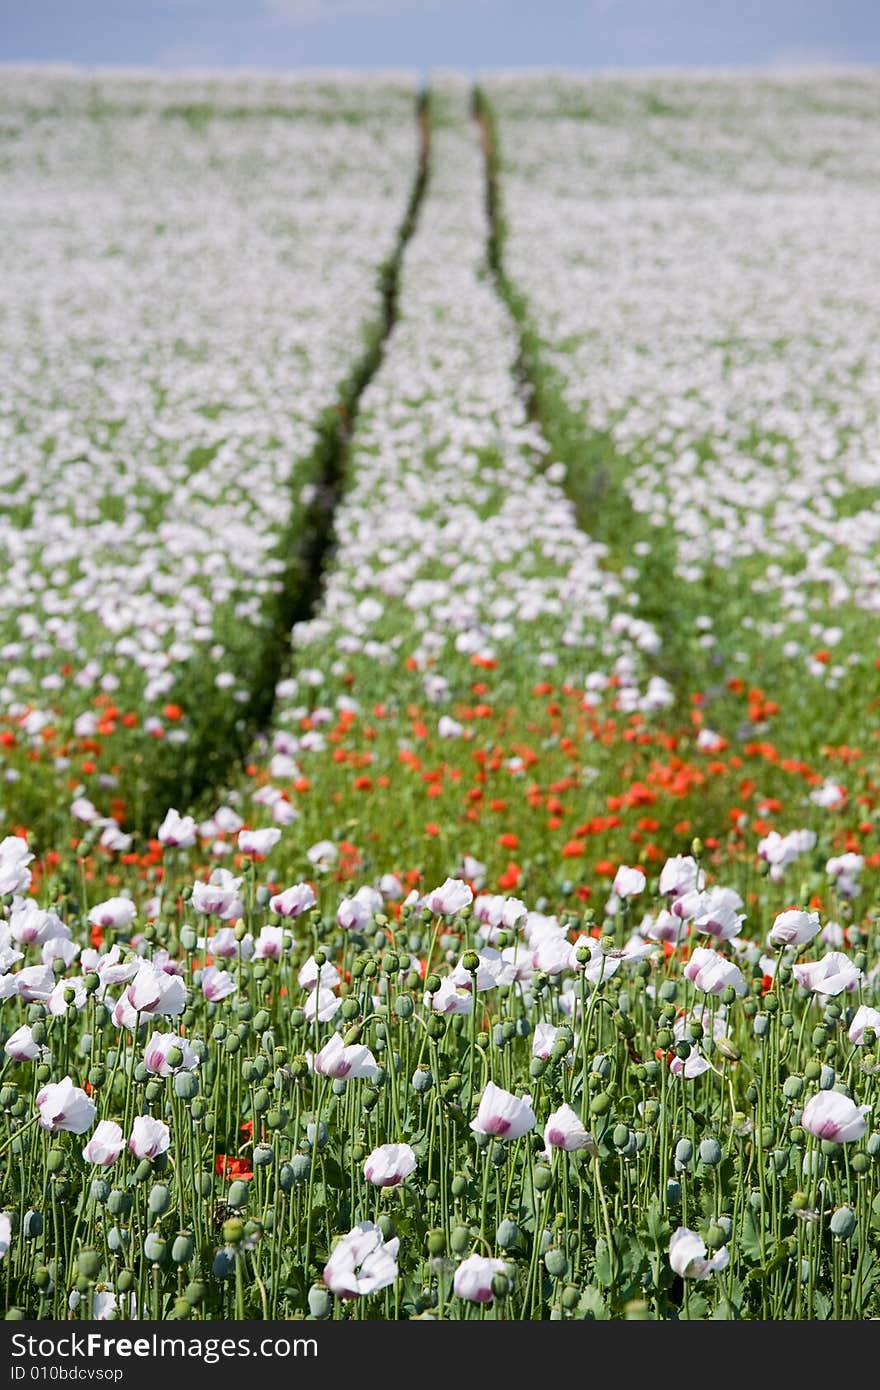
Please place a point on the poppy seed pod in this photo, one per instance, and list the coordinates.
(684, 1152)
(224, 1260)
(88, 1264)
(843, 1223)
(556, 1263)
(159, 1199)
(710, 1152)
(238, 1194)
(186, 1085)
(182, 1248)
(301, 1166)
(155, 1247)
(32, 1225)
(119, 1203)
(507, 1234)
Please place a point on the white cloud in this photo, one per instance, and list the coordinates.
(329, 11)
(804, 55)
(185, 55)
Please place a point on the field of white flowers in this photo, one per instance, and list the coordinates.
(438, 705)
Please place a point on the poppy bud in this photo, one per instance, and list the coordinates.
(542, 1178)
(460, 1239)
(715, 1237)
(125, 1280)
(601, 1103)
(620, 1136)
(320, 1301)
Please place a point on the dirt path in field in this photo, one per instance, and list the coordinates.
(309, 542)
(593, 468)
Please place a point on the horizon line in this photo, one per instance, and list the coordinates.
(770, 67)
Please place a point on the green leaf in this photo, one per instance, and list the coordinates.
(603, 1263)
(592, 1306)
(655, 1226)
(750, 1235)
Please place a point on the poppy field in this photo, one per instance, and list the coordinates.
(439, 701)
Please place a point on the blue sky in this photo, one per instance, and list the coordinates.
(424, 34)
